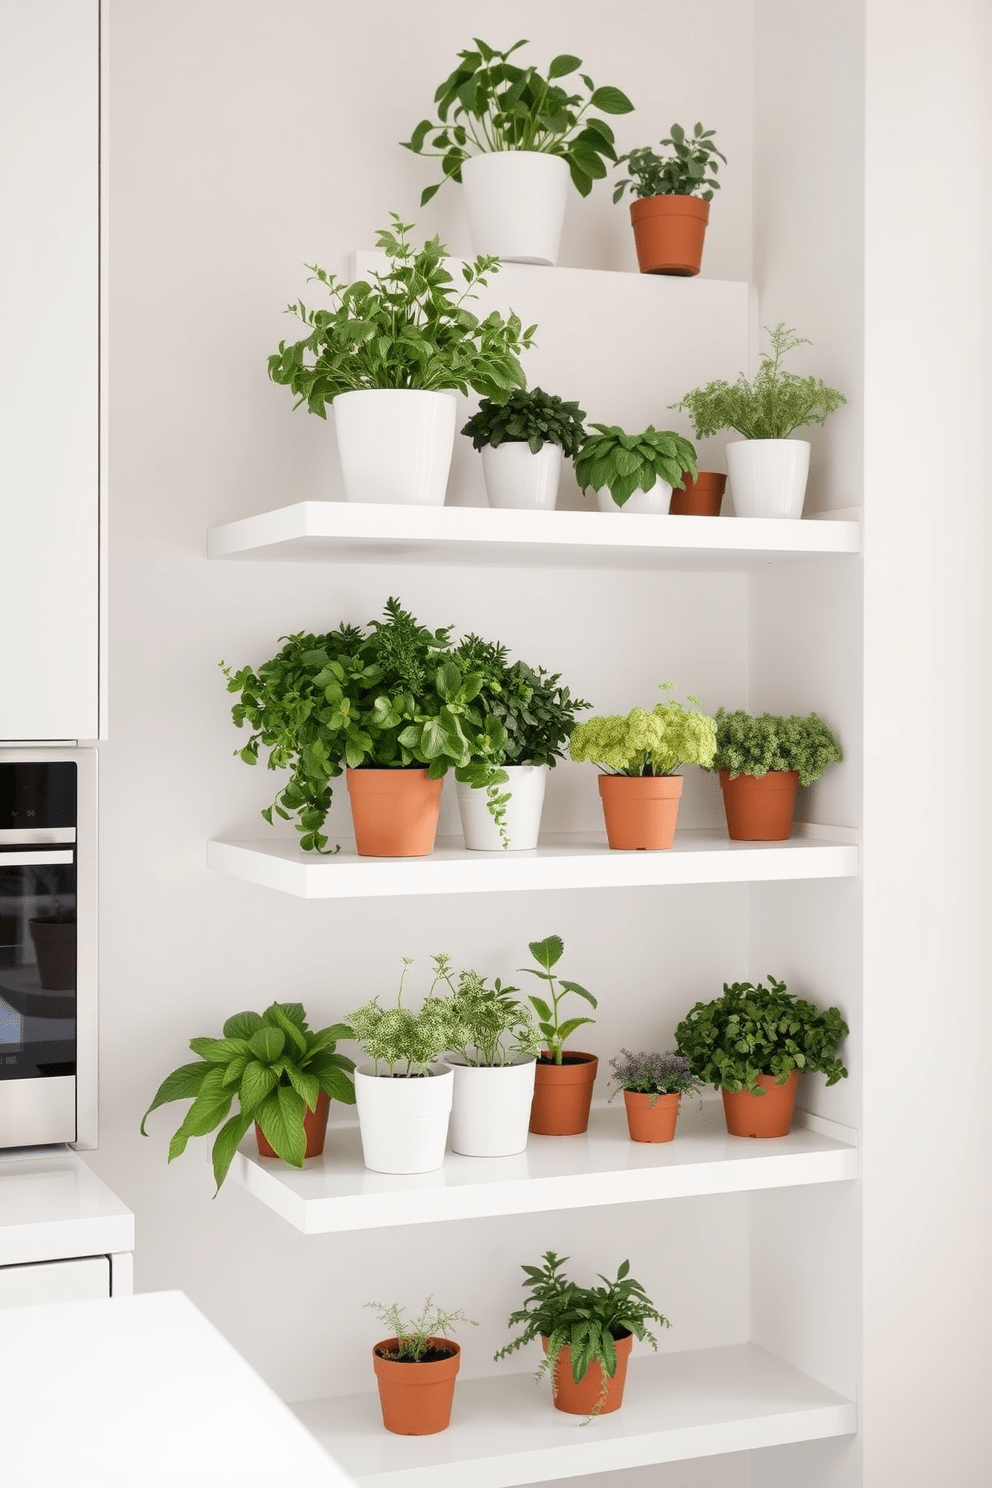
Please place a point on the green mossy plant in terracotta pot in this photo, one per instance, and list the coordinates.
(762, 759)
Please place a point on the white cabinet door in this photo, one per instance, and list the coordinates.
(55, 1281)
(49, 363)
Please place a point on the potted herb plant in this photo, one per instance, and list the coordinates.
(402, 1091)
(537, 714)
(634, 472)
(282, 1074)
(564, 1078)
(389, 354)
(523, 442)
(586, 1332)
(639, 756)
(493, 1051)
(762, 760)
(767, 469)
(388, 704)
(653, 1086)
(672, 195)
(415, 1369)
(752, 1043)
(513, 137)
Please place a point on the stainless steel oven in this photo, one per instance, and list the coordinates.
(47, 947)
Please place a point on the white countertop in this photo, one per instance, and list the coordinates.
(136, 1392)
(52, 1207)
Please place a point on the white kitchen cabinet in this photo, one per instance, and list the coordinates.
(64, 1235)
(82, 1280)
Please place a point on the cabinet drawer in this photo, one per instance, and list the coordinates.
(55, 1281)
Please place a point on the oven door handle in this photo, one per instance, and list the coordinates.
(35, 857)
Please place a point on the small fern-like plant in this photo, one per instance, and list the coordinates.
(771, 405)
(529, 416)
(643, 743)
(690, 169)
(415, 1338)
(399, 1041)
(753, 744)
(624, 463)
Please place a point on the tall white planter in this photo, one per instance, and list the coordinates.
(653, 502)
(516, 477)
(490, 1112)
(395, 444)
(403, 1122)
(523, 810)
(515, 200)
(768, 476)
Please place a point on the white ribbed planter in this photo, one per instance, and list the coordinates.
(490, 1112)
(403, 1122)
(516, 477)
(395, 444)
(768, 476)
(523, 810)
(515, 200)
(651, 503)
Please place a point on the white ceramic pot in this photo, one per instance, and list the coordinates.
(515, 200)
(522, 822)
(654, 502)
(768, 476)
(403, 1122)
(516, 477)
(395, 444)
(490, 1112)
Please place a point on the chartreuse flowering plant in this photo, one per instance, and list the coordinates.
(753, 744)
(643, 743)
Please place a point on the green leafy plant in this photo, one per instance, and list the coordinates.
(406, 1043)
(754, 1029)
(391, 696)
(547, 953)
(624, 463)
(489, 103)
(415, 1339)
(491, 1026)
(588, 1320)
(753, 744)
(643, 743)
(405, 328)
(771, 405)
(653, 1074)
(535, 709)
(274, 1065)
(690, 169)
(529, 416)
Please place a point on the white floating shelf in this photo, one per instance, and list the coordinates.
(565, 860)
(504, 1429)
(603, 1166)
(336, 531)
(52, 1206)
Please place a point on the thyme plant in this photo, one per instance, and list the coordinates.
(643, 743)
(748, 744)
(528, 416)
(415, 1339)
(690, 169)
(653, 1074)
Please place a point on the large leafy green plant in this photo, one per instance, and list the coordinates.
(586, 1320)
(490, 103)
(274, 1066)
(556, 1030)
(643, 743)
(535, 709)
(771, 405)
(690, 169)
(754, 1029)
(405, 328)
(391, 696)
(529, 416)
(624, 463)
(753, 744)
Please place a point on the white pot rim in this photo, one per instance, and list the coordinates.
(732, 443)
(514, 1062)
(367, 1071)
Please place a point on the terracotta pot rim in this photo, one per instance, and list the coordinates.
(669, 203)
(451, 1348)
(571, 1058)
(667, 785)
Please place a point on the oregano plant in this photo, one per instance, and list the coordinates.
(753, 744)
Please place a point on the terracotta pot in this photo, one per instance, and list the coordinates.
(760, 807)
(669, 233)
(701, 497)
(395, 812)
(768, 1115)
(314, 1127)
(640, 810)
(416, 1398)
(583, 1399)
(651, 1123)
(563, 1094)
(55, 950)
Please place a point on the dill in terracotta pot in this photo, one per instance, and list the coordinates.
(415, 1369)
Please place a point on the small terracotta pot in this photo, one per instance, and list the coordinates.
(314, 1127)
(640, 810)
(669, 233)
(583, 1399)
(701, 497)
(768, 1115)
(760, 807)
(416, 1398)
(651, 1123)
(563, 1094)
(395, 812)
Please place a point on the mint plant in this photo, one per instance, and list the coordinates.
(415, 1338)
(529, 416)
(690, 169)
(535, 709)
(643, 743)
(753, 744)
(624, 463)
(547, 953)
(489, 103)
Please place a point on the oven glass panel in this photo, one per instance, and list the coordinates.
(37, 970)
